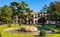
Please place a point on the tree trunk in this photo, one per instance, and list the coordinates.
(27, 21)
(20, 20)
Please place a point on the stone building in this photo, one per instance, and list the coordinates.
(35, 16)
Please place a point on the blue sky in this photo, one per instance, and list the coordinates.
(35, 5)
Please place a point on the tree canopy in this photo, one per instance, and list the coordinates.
(14, 9)
(53, 10)
(5, 14)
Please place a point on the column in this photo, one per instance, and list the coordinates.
(16, 19)
(33, 21)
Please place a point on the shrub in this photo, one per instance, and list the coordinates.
(42, 33)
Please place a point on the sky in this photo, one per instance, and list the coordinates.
(35, 5)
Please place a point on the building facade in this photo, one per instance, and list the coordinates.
(35, 17)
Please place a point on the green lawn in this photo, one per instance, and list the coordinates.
(6, 26)
(15, 35)
(20, 35)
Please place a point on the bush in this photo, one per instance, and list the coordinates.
(42, 33)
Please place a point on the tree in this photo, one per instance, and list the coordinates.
(29, 16)
(19, 9)
(44, 9)
(53, 10)
(22, 10)
(6, 13)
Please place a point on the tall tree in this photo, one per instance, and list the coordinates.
(44, 9)
(54, 10)
(20, 9)
(29, 15)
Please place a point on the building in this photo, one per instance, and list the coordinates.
(35, 16)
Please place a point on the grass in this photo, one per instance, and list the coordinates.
(6, 26)
(2, 27)
(15, 35)
(47, 26)
(53, 35)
